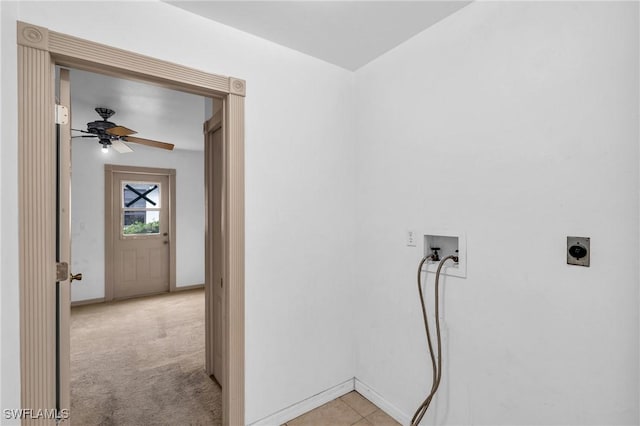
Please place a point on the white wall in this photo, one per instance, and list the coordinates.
(9, 297)
(87, 213)
(516, 123)
(482, 124)
(299, 187)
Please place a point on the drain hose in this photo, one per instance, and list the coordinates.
(436, 362)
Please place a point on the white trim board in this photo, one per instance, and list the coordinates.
(315, 401)
(373, 396)
(306, 405)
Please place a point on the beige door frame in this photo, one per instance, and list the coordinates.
(214, 253)
(64, 217)
(111, 223)
(39, 50)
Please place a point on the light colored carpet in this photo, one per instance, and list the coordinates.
(141, 362)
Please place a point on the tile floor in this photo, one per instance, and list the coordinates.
(349, 409)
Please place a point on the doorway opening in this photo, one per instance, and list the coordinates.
(44, 345)
(129, 224)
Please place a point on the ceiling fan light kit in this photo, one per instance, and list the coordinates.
(111, 134)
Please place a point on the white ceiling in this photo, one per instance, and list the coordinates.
(349, 34)
(346, 33)
(154, 112)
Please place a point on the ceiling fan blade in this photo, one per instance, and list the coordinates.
(149, 142)
(79, 130)
(120, 131)
(84, 136)
(120, 147)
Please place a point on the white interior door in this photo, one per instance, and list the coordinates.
(214, 247)
(141, 255)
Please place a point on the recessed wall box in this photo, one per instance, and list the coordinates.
(448, 243)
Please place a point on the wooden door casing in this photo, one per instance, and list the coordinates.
(214, 264)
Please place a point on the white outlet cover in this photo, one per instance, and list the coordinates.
(411, 238)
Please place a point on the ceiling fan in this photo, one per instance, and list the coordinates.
(111, 135)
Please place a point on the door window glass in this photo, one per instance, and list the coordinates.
(140, 208)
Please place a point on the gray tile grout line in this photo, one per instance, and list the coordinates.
(353, 408)
(349, 405)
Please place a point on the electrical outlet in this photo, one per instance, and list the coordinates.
(579, 251)
(411, 238)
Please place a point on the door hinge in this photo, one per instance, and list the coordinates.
(62, 114)
(220, 282)
(62, 271)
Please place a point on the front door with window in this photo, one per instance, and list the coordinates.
(140, 256)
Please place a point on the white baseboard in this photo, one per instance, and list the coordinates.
(86, 301)
(297, 409)
(306, 405)
(187, 287)
(373, 396)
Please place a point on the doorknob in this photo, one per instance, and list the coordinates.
(73, 277)
(165, 234)
(165, 242)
